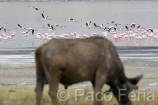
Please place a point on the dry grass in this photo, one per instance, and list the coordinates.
(26, 96)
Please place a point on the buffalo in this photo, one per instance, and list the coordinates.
(70, 61)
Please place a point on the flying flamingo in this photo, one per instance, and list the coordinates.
(33, 7)
(95, 25)
(5, 29)
(104, 28)
(150, 29)
(44, 17)
(127, 29)
(20, 26)
(133, 25)
(87, 25)
(29, 29)
(71, 20)
(112, 29)
(116, 24)
(49, 27)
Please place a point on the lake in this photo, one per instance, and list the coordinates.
(144, 13)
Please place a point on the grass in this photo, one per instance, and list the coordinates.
(26, 96)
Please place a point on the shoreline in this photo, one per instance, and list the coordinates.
(117, 47)
(24, 76)
(27, 50)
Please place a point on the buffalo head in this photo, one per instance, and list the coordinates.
(122, 90)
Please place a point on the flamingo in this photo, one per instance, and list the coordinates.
(5, 29)
(112, 29)
(116, 37)
(1, 37)
(44, 17)
(155, 37)
(71, 20)
(133, 25)
(143, 37)
(150, 29)
(33, 7)
(29, 29)
(20, 26)
(5, 37)
(138, 38)
(140, 27)
(105, 28)
(49, 26)
(113, 22)
(13, 34)
(101, 26)
(104, 34)
(95, 25)
(87, 25)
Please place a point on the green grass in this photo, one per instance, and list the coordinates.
(26, 96)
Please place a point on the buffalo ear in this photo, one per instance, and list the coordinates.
(135, 80)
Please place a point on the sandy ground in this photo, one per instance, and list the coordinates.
(24, 76)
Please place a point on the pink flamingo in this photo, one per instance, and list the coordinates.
(112, 30)
(4, 28)
(26, 32)
(13, 34)
(105, 34)
(116, 37)
(5, 37)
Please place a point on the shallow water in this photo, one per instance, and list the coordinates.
(144, 13)
(131, 57)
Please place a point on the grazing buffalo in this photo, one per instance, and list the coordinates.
(70, 61)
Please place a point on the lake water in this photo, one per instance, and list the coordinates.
(144, 13)
(130, 56)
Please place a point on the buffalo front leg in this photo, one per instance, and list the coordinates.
(99, 82)
(97, 94)
(53, 90)
(38, 90)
